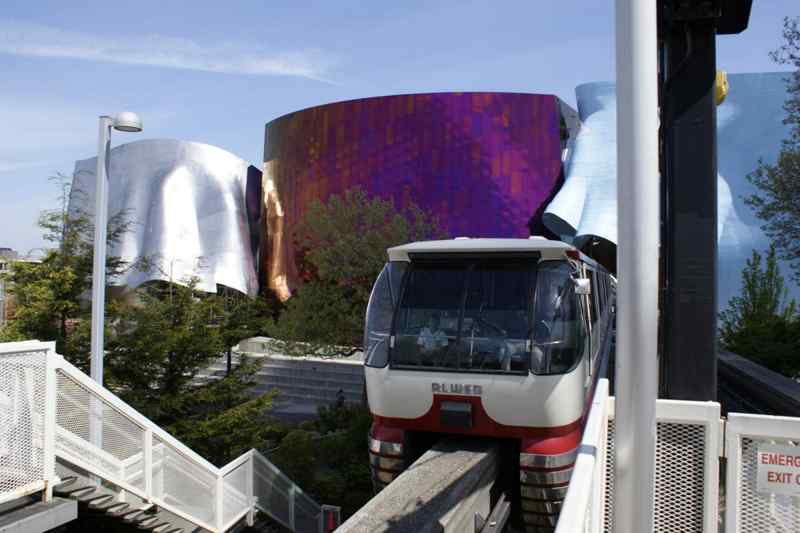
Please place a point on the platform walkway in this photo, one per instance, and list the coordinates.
(697, 452)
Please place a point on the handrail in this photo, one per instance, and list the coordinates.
(585, 478)
(115, 401)
(152, 464)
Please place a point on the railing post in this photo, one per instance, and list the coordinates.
(251, 500)
(49, 422)
(326, 511)
(220, 499)
(292, 491)
(147, 464)
(599, 481)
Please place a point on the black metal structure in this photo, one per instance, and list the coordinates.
(687, 61)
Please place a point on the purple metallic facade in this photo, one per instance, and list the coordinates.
(485, 163)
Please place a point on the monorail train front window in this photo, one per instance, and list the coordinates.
(466, 316)
(380, 310)
(558, 331)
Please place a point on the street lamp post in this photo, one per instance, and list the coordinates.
(124, 121)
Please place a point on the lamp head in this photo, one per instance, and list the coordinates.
(127, 121)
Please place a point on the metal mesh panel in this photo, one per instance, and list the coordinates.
(764, 513)
(181, 482)
(133, 470)
(235, 492)
(680, 478)
(77, 409)
(608, 507)
(22, 401)
(597, 508)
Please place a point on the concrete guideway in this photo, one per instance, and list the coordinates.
(750, 387)
(441, 492)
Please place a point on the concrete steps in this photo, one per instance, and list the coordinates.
(302, 381)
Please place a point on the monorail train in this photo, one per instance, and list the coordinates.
(502, 338)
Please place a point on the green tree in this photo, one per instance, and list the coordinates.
(220, 421)
(342, 247)
(48, 295)
(161, 338)
(244, 317)
(760, 324)
(328, 457)
(163, 335)
(777, 201)
(158, 336)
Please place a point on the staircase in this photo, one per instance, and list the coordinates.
(63, 433)
(100, 499)
(305, 383)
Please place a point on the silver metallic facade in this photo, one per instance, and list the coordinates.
(749, 126)
(194, 210)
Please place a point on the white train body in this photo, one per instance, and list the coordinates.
(489, 337)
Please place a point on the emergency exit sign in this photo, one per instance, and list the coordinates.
(778, 469)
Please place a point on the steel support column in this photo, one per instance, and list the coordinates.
(689, 166)
(688, 30)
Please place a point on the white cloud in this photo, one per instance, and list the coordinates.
(26, 39)
(13, 166)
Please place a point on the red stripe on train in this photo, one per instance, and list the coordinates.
(482, 423)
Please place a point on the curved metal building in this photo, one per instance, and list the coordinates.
(486, 164)
(749, 127)
(194, 210)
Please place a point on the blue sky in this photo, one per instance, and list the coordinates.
(216, 72)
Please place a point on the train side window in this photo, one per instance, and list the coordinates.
(379, 321)
(396, 271)
(593, 296)
(601, 285)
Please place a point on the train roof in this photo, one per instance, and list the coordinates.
(549, 249)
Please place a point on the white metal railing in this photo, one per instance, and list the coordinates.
(762, 477)
(688, 447)
(51, 410)
(26, 421)
(584, 502)
(750, 508)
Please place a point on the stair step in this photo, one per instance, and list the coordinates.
(90, 496)
(79, 492)
(96, 502)
(161, 528)
(105, 506)
(132, 516)
(118, 508)
(147, 522)
(176, 530)
(311, 391)
(315, 379)
(298, 369)
(65, 482)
